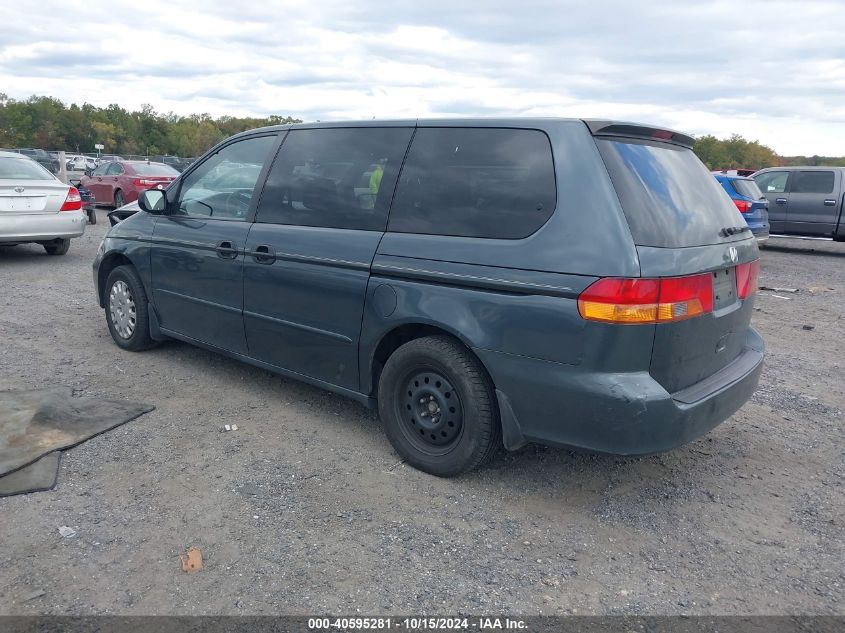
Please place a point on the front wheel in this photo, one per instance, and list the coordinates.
(119, 200)
(126, 310)
(438, 407)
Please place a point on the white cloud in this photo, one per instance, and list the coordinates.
(770, 70)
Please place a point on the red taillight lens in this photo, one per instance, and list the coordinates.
(662, 134)
(614, 300)
(143, 182)
(743, 206)
(73, 202)
(747, 276)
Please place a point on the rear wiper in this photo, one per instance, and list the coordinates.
(733, 230)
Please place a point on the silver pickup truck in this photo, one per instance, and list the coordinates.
(805, 201)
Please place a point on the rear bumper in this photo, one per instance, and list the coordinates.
(37, 227)
(625, 413)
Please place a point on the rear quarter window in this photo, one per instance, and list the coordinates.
(747, 188)
(475, 182)
(669, 198)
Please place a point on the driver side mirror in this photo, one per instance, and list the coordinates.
(153, 201)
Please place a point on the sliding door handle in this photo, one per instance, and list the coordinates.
(227, 249)
(264, 254)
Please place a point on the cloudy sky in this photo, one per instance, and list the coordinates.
(769, 70)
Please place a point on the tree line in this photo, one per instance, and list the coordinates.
(47, 123)
(736, 151)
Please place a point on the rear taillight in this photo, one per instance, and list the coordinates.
(743, 206)
(73, 202)
(746, 278)
(664, 300)
(144, 182)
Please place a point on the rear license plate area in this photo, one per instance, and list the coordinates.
(724, 288)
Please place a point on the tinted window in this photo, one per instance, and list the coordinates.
(114, 169)
(22, 169)
(101, 170)
(475, 182)
(772, 181)
(813, 182)
(747, 188)
(338, 177)
(217, 188)
(153, 169)
(669, 198)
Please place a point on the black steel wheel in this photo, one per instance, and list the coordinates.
(438, 406)
(432, 418)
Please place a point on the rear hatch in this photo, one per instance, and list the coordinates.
(683, 224)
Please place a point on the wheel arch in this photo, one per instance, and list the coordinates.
(402, 333)
(109, 263)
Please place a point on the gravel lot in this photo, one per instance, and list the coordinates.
(305, 510)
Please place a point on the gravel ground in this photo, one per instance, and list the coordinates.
(305, 509)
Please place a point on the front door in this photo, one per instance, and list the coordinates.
(813, 202)
(308, 256)
(773, 184)
(197, 252)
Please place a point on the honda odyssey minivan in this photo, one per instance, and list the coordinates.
(481, 282)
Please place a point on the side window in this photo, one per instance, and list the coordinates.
(114, 169)
(475, 182)
(772, 181)
(813, 182)
(223, 185)
(334, 177)
(101, 170)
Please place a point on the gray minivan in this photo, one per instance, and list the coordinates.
(805, 201)
(482, 282)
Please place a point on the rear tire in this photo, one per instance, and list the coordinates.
(438, 407)
(57, 247)
(119, 200)
(126, 310)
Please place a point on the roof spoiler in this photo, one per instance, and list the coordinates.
(634, 130)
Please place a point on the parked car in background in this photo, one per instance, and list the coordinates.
(458, 277)
(107, 158)
(805, 201)
(42, 157)
(179, 164)
(78, 162)
(116, 183)
(35, 206)
(750, 201)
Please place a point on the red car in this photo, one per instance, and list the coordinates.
(119, 182)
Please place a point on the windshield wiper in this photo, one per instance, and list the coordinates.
(733, 230)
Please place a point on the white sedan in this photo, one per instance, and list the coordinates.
(35, 206)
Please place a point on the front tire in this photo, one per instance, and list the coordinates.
(119, 200)
(126, 310)
(57, 247)
(438, 407)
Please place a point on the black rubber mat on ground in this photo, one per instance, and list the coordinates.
(37, 422)
(39, 476)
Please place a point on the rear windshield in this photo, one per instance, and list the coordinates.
(747, 188)
(669, 198)
(22, 169)
(153, 169)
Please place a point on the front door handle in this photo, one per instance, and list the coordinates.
(830, 203)
(227, 249)
(264, 254)
(780, 200)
